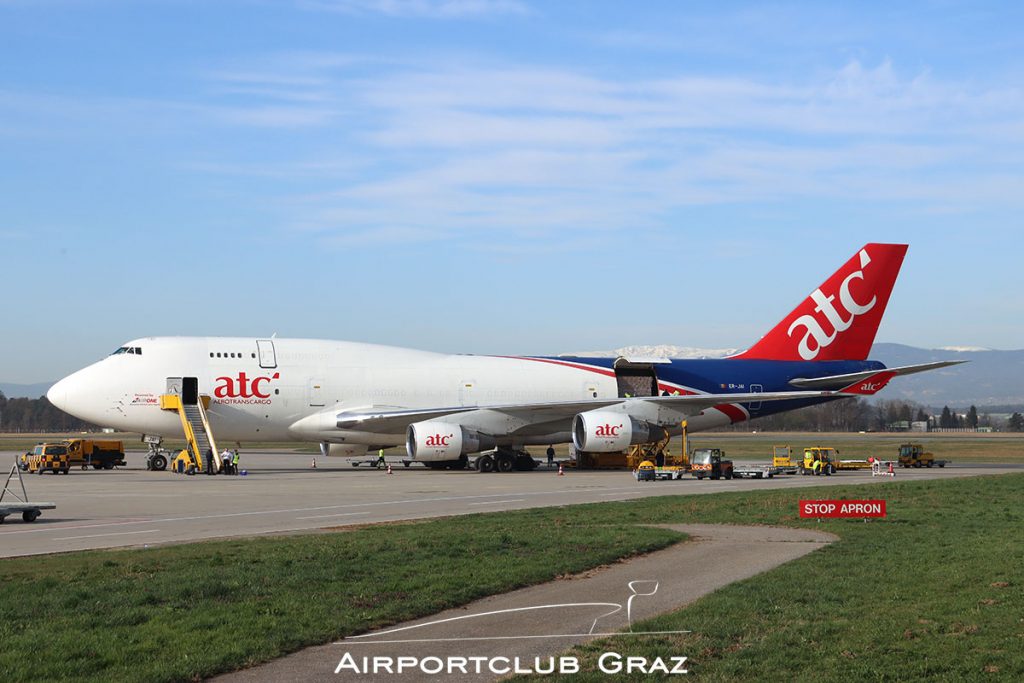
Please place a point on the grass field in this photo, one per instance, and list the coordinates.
(932, 592)
(146, 614)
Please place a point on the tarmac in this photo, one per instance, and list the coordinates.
(283, 494)
(485, 640)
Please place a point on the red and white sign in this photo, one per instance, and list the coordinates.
(842, 508)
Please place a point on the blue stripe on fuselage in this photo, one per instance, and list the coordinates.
(740, 376)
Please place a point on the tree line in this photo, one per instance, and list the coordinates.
(37, 415)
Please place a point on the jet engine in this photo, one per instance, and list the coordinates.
(599, 431)
(434, 440)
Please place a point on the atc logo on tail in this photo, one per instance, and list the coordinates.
(839, 319)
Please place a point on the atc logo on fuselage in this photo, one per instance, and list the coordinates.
(244, 391)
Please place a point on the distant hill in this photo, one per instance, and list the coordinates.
(25, 390)
(990, 378)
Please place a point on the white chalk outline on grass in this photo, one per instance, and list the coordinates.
(634, 593)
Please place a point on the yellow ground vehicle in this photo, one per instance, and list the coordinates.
(85, 453)
(827, 457)
(48, 458)
(96, 454)
(645, 471)
(782, 460)
(830, 462)
(914, 455)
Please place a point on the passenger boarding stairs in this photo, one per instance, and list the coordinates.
(196, 425)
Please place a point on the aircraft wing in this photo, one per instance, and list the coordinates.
(854, 382)
(507, 418)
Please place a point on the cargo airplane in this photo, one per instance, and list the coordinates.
(350, 396)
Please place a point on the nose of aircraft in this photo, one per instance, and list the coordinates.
(89, 394)
(58, 394)
(67, 394)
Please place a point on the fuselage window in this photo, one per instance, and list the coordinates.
(218, 355)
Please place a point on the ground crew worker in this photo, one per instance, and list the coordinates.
(551, 456)
(209, 461)
(816, 467)
(225, 461)
(234, 462)
(659, 459)
(381, 463)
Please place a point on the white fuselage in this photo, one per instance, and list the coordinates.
(260, 389)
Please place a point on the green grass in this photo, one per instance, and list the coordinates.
(932, 592)
(144, 614)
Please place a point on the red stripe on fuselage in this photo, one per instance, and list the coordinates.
(733, 412)
(590, 368)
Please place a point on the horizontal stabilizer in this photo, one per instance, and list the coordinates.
(850, 382)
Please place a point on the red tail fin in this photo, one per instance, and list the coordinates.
(838, 321)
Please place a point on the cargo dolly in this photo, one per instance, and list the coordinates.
(29, 511)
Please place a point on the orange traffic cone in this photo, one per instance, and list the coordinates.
(560, 472)
(313, 464)
(389, 468)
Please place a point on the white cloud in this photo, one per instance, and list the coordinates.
(433, 9)
(502, 154)
(511, 153)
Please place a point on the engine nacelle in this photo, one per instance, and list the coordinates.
(341, 450)
(599, 431)
(434, 441)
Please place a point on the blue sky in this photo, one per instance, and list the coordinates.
(500, 176)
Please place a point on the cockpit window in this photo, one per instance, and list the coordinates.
(123, 349)
(135, 350)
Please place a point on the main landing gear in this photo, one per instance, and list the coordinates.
(505, 460)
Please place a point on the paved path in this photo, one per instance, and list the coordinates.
(522, 623)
